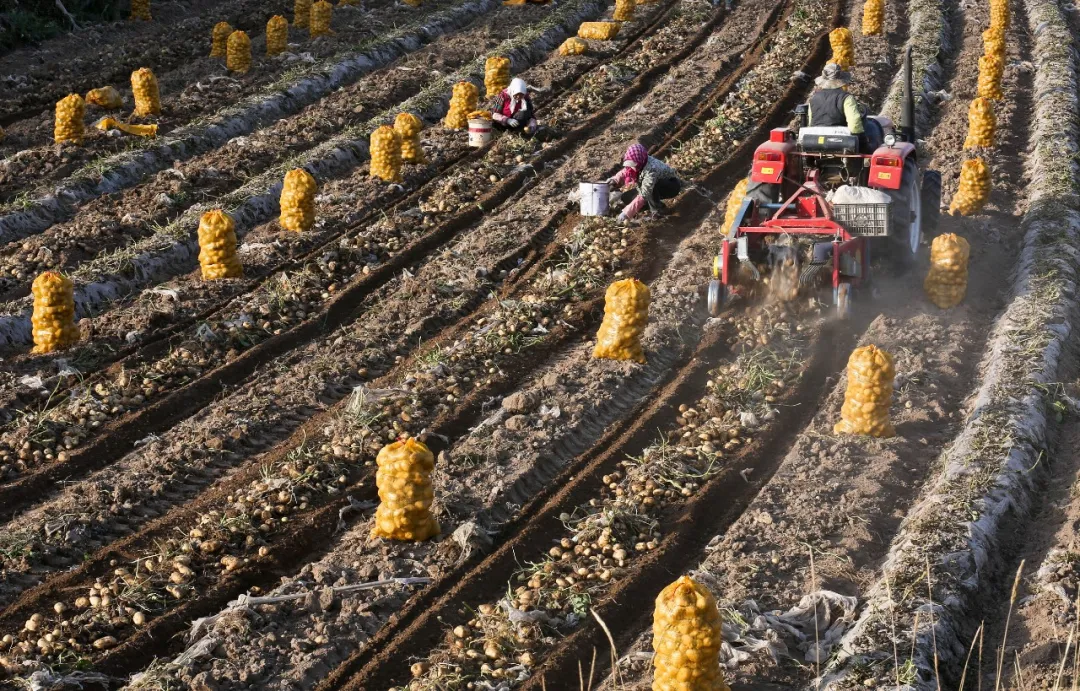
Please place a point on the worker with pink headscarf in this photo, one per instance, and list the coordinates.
(654, 180)
(513, 109)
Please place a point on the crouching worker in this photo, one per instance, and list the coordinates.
(654, 180)
(513, 109)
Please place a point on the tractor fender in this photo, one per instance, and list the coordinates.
(887, 165)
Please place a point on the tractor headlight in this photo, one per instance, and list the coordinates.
(890, 139)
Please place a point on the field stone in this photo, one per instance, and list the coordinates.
(517, 423)
(326, 599)
(519, 402)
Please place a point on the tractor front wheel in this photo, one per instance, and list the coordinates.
(718, 297)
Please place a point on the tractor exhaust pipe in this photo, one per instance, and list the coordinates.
(907, 112)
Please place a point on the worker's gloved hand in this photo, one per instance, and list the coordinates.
(512, 123)
(498, 117)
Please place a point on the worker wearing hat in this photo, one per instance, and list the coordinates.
(831, 105)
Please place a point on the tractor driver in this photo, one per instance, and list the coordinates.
(832, 106)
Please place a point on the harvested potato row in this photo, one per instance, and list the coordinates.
(277, 35)
(573, 46)
(734, 201)
(994, 42)
(974, 188)
(140, 9)
(869, 394)
(239, 52)
(386, 154)
(298, 201)
(598, 31)
(873, 17)
(624, 10)
(626, 314)
(843, 47)
(147, 95)
(981, 124)
(946, 282)
(991, 67)
(405, 492)
(68, 125)
(53, 319)
(220, 38)
(106, 97)
(687, 639)
(301, 13)
(464, 100)
(408, 127)
(217, 246)
(496, 75)
(320, 18)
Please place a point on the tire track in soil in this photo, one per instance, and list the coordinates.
(193, 95)
(118, 652)
(339, 312)
(107, 224)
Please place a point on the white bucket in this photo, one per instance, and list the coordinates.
(479, 133)
(594, 198)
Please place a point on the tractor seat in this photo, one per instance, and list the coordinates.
(828, 140)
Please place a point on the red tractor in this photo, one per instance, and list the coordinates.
(816, 205)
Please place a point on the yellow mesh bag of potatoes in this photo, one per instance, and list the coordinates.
(496, 75)
(573, 46)
(277, 35)
(238, 54)
(53, 319)
(981, 124)
(219, 46)
(464, 100)
(147, 95)
(408, 127)
(994, 43)
(106, 124)
(301, 13)
(946, 282)
(140, 9)
(106, 97)
(843, 47)
(734, 201)
(991, 67)
(626, 313)
(321, 13)
(405, 492)
(687, 639)
(974, 188)
(999, 14)
(599, 31)
(873, 17)
(869, 394)
(217, 246)
(298, 201)
(68, 125)
(624, 10)
(386, 154)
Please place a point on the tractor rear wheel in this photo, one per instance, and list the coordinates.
(907, 234)
(931, 201)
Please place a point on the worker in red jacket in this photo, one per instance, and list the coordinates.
(513, 109)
